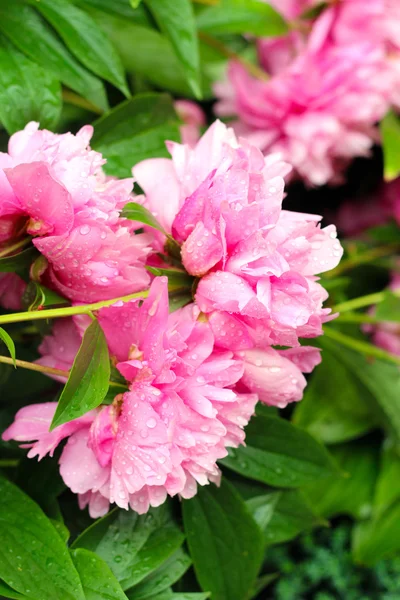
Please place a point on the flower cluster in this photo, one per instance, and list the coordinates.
(193, 376)
(326, 86)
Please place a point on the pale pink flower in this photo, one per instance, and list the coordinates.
(321, 103)
(193, 119)
(54, 186)
(256, 262)
(166, 433)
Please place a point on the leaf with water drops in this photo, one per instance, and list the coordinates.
(280, 454)
(97, 579)
(133, 545)
(88, 381)
(162, 578)
(225, 542)
(33, 558)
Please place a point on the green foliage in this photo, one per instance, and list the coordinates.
(9, 342)
(225, 542)
(135, 130)
(279, 454)
(390, 131)
(89, 378)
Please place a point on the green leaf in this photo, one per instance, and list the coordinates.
(282, 515)
(389, 308)
(133, 545)
(85, 40)
(135, 3)
(37, 295)
(33, 560)
(176, 20)
(134, 130)
(97, 578)
(224, 541)
(279, 454)
(352, 493)
(333, 408)
(27, 30)
(241, 16)
(381, 380)
(136, 212)
(387, 491)
(7, 339)
(88, 381)
(17, 262)
(378, 538)
(162, 578)
(119, 8)
(8, 592)
(390, 131)
(27, 91)
(156, 61)
(61, 529)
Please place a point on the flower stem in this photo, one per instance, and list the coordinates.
(68, 311)
(34, 367)
(360, 302)
(360, 346)
(358, 318)
(252, 69)
(9, 462)
(361, 259)
(10, 249)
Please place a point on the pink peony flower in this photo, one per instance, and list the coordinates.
(257, 263)
(193, 119)
(320, 106)
(53, 185)
(166, 433)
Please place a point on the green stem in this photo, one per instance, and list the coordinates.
(69, 311)
(10, 249)
(360, 346)
(360, 302)
(358, 318)
(251, 68)
(72, 98)
(34, 367)
(9, 462)
(361, 259)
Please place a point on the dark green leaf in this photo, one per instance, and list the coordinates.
(282, 515)
(27, 91)
(279, 454)
(224, 541)
(88, 381)
(85, 40)
(136, 129)
(389, 308)
(352, 493)
(8, 592)
(17, 262)
(118, 8)
(133, 546)
(390, 131)
(161, 579)
(156, 61)
(7, 339)
(263, 582)
(381, 379)
(386, 233)
(34, 560)
(242, 16)
(97, 578)
(176, 20)
(333, 408)
(387, 491)
(378, 538)
(27, 30)
(136, 212)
